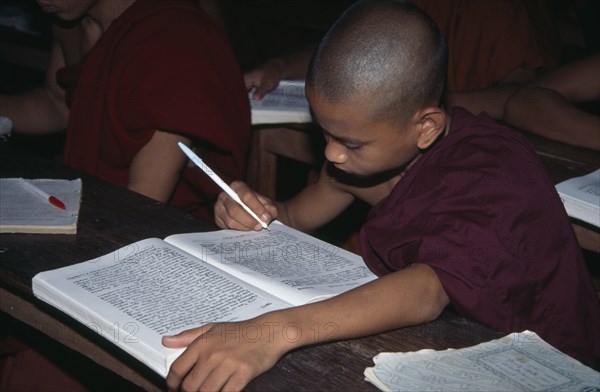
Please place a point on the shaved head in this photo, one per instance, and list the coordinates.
(387, 54)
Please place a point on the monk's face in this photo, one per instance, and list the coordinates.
(68, 9)
(358, 146)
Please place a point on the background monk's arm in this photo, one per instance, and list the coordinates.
(156, 168)
(546, 106)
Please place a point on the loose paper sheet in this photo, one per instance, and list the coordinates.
(517, 362)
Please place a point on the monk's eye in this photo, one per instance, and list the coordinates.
(354, 147)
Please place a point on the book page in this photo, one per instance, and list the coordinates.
(286, 104)
(517, 362)
(585, 189)
(581, 197)
(25, 212)
(285, 262)
(139, 293)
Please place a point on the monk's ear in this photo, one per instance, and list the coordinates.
(431, 123)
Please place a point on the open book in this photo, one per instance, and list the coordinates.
(517, 362)
(286, 104)
(581, 197)
(23, 211)
(154, 287)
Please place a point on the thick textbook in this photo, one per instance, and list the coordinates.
(286, 104)
(22, 211)
(516, 362)
(581, 197)
(136, 294)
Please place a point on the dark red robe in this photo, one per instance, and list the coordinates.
(160, 65)
(480, 209)
(487, 40)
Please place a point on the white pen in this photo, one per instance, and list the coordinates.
(49, 198)
(200, 163)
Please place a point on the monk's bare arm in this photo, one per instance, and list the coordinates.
(410, 296)
(42, 110)
(156, 168)
(217, 359)
(314, 206)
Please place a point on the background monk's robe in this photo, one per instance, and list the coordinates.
(160, 65)
(487, 40)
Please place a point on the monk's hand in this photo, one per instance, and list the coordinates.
(224, 356)
(231, 215)
(264, 78)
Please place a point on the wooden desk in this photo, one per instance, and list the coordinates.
(112, 217)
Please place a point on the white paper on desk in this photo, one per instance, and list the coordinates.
(517, 362)
(286, 104)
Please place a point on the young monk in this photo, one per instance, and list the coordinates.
(464, 213)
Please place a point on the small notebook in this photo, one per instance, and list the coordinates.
(22, 211)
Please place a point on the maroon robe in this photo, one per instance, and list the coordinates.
(480, 209)
(487, 40)
(160, 65)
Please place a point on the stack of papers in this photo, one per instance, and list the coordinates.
(517, 362)
(581, 197)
